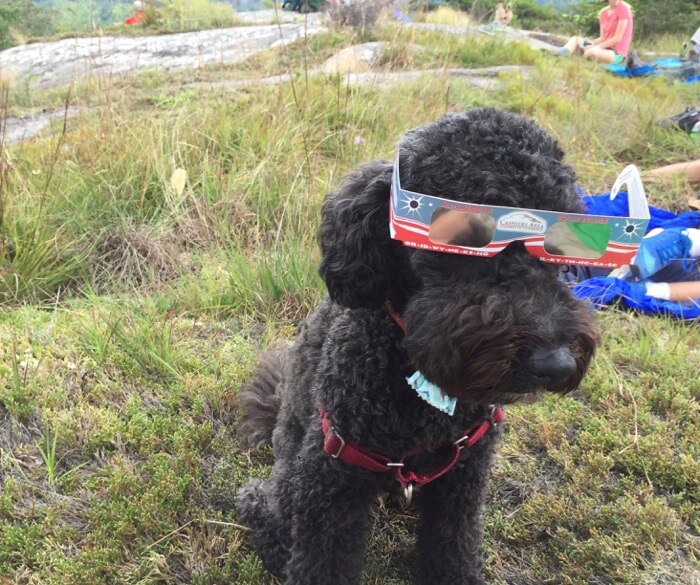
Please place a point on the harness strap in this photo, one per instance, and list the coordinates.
(357, 456)
(350, 453)
(395, 316)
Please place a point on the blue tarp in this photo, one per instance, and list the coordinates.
(673, 67)
(607, 290)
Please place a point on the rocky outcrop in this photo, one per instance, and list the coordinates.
(58, 63)
(61, 62)
(16, 130)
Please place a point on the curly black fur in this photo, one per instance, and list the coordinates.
(484, 330)
(260, 399)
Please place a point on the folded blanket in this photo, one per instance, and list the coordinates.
(605, 290)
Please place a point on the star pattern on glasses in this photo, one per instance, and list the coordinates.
(413, 205)
(631, 229)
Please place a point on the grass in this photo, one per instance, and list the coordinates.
(446, 15)
(133, 305)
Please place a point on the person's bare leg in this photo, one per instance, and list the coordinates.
(571, 47)
(593, 53)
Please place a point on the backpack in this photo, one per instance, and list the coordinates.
(688, 120)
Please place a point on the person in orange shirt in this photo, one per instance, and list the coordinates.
(613, 43)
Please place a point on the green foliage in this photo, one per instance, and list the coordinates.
(586, 17)
(528, 14)
(9, 15)
(282, 285)
(492, 53)
(194, 14)
(23, 16)
(47, 448)
(35, 265)
(80, 15)
(50, 17)
(533, 16)
(169, 102)
(650, 17)
(84, 15)
(14, 396)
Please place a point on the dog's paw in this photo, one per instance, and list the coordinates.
(267, 535)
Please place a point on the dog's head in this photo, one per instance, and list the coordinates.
(483, 329)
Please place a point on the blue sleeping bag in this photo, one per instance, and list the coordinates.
(605, 290)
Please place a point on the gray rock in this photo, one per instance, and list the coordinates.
(20, 129)
(62, 62)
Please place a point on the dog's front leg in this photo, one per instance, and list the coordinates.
(450, 529)
(330, 518)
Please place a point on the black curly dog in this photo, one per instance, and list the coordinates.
(485, 330)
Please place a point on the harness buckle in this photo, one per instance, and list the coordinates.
(333, 434)
(492, 415)
(459, 443)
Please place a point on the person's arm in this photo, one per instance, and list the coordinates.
(691, 170)
(674, 291)
(599, 38)
(601, 35)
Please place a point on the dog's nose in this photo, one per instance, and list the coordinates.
(552, 364)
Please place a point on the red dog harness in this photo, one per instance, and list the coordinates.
(355, 455)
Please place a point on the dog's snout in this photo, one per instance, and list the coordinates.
(552, 364)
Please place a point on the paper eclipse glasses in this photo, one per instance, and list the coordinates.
(436, 224)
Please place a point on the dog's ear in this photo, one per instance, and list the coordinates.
(361, 265)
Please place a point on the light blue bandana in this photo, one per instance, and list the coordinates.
(432, 394)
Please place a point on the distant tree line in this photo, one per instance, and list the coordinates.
(84, 13)
(25, 17)
(40, 18)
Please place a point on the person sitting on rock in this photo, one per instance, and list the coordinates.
(502, 16)
(614, 40)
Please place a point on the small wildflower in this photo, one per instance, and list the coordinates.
(29, 360)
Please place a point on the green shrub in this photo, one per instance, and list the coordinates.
(24, 17)
(527, 14)
(195, 14)
(650, 17)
